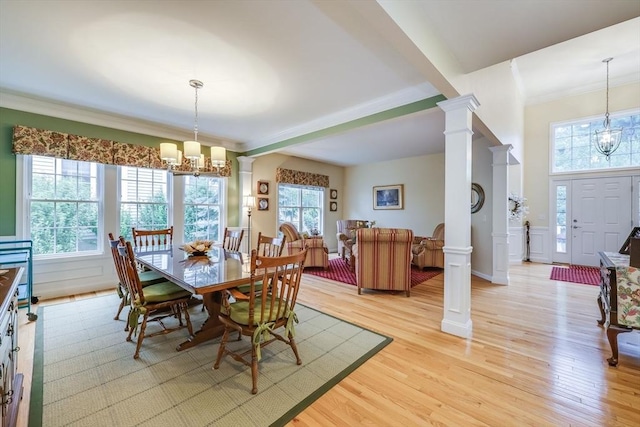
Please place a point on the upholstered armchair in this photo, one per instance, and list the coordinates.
(317, 253)
(383, 259)
(346, 231)
(427, 251)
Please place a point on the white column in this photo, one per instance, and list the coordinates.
(245, 185)
(457, 215)
(500, 223)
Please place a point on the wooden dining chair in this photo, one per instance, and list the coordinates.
(146, 278)
(270, 246)
(264, 313)
(232, 239)
(154, 303)
(152, 239)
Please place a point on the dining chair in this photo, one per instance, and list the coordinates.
(270, 246)
(154, 303)
(232, 239)
(152, 239)
(146, 278)
(264, 313)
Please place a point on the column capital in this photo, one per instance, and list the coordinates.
(245, 163)
(499, 148)
(465, 101)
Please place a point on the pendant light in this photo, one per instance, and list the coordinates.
(607, 140)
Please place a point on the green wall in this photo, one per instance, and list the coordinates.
(9, 118)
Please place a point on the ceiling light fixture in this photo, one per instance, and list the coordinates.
(606, 141)
(173, 157)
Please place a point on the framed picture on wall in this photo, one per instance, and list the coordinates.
(333, 206)
(333, 194)
(263, 203)
(263, 187)
(388, 197)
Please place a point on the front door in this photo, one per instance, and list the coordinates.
(600, 217)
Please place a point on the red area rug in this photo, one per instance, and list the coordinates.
(339, 271)
(577, 274)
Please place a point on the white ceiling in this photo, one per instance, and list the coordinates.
(274, 70)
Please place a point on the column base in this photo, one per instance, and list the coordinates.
(463, 330)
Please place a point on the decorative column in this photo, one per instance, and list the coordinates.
(500, 223)
(457, 215)
(245, 185)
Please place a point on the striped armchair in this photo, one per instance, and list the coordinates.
(317, 251)
(383, 259)
(427, 251)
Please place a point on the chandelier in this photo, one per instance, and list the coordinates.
(606, 140)
(173, 157)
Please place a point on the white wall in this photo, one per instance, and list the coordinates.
(423, 180)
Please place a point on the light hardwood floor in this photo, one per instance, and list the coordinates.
(537, 357)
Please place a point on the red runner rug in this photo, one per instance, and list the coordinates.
(339, 271)
(577, 274)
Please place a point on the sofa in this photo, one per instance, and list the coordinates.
(346, 233)
(383, 259)
(317, 253)
(427, 251)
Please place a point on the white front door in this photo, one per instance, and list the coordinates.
(600, 218)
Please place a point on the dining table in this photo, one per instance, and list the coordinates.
(207, 275)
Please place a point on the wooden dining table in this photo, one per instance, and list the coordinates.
(207, 275)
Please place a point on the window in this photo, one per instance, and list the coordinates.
(64, 201)
(203, 199)
(302, 206)
(561, 218)
(573, 149)
(143, 199)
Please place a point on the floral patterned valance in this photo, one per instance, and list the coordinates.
(32, 141)
(289, 176)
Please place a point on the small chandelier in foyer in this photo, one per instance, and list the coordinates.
(607, 140)
(173, 157)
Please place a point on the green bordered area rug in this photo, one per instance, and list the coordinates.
(84, 373)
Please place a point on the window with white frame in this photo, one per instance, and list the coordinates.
(64, 199)
(203, 204)
(303, 206)
(144, 199)
(573, 150)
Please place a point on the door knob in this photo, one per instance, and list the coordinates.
(576, 226)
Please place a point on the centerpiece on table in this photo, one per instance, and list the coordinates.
(197, 247)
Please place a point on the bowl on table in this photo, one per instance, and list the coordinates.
(197, 247)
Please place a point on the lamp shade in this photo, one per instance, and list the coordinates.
(169, 152)
(218, 156)
(179, 157)
(201, 161)
(249, 202)
(192, 150)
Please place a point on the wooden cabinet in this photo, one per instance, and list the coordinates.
(10, 379)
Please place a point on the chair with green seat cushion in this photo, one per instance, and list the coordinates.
(265, 312)
(154, 303)
(146, 278)
(267, 247)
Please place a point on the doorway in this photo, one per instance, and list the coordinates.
(591, 215)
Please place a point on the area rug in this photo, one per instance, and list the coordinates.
(85, 375)
(577, 274)
(339, 271)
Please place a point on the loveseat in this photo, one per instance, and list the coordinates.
(317, 250)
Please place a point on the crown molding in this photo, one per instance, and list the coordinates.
(47, 107)
(396, 99)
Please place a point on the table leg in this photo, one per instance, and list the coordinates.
(212, 327)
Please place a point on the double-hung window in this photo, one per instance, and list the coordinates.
(144, 199)
(64, 205)
(203, 205)
(301, 205)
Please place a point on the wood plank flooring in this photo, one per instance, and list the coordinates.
(537, 357)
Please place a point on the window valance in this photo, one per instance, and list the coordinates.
(39, 142)
(289, 176)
